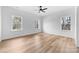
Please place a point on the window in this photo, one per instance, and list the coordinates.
(66, 23)
(16, 23)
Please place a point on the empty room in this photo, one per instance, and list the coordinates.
(39, 29)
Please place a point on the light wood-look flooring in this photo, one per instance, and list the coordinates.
(38, 43)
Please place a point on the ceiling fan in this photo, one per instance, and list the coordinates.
(41, 9)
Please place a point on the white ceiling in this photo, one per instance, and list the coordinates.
(34, 9)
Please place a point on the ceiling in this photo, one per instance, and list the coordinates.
(34, 9)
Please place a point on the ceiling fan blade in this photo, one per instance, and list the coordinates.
(44, 9)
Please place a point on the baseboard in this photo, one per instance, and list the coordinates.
(0, 40)
(12, 37)
(77, 46)
(61, 35)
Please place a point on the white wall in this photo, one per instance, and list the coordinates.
(52, 23)
(0, 23)
(78, 26)
(28, 23)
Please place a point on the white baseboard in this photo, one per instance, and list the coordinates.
(0, 40)
(77, 45)
(5, 38)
